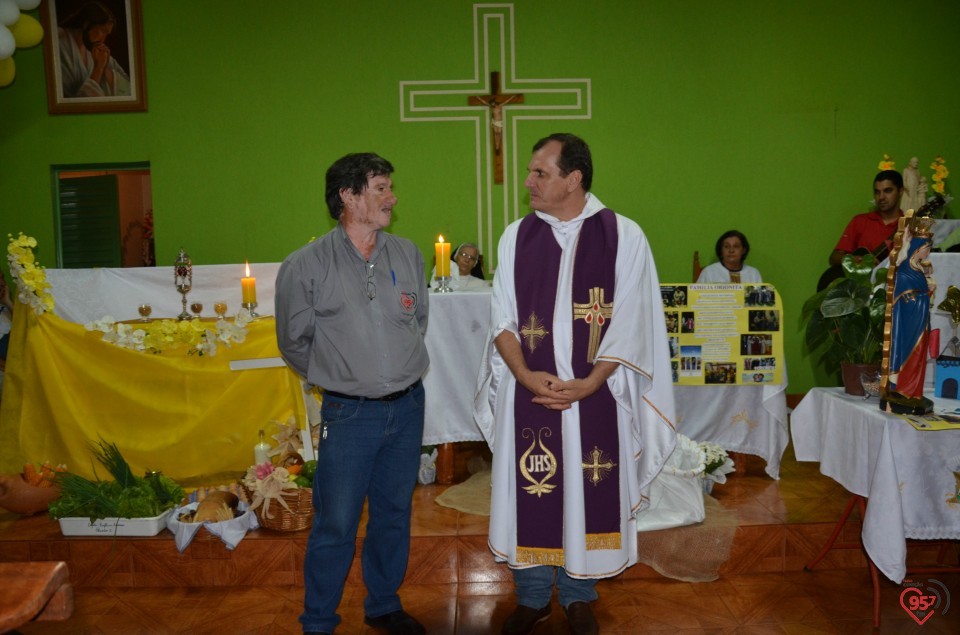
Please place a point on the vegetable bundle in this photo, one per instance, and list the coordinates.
(127, 496)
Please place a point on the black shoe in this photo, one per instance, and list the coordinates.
(524, 620)
(580, 618)
(396, 623)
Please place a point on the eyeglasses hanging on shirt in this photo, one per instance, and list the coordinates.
(371, 286)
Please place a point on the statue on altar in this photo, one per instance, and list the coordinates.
(912, 198)
(910, 287)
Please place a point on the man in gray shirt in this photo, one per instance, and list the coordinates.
(351, 312)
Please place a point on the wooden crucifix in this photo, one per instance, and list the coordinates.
(495, 101)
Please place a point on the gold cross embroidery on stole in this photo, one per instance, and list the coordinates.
(599, 465)
(532, 331)
(594, 312)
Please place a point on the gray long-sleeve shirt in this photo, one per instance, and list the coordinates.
(332, 333)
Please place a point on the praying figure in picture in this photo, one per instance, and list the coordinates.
(910, 287)
(87, 67)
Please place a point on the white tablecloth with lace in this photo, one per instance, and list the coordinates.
(749, 419)
(909, 477)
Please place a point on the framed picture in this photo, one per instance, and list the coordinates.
(93, 51)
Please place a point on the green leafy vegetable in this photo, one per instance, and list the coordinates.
(128, 496)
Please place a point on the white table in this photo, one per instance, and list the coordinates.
(907, 475)
(747, 419)
(456, 337)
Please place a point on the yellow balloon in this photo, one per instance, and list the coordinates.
(26, 31)
(8, 70)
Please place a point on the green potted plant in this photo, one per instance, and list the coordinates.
(848, 317)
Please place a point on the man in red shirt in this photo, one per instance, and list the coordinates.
(874, 230)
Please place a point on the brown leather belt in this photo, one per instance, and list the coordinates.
(391, 397)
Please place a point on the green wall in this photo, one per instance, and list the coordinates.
(765, 116)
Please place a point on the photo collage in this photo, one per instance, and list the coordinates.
(724, 333)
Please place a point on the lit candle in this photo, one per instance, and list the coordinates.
(443, 257)
(249, 287)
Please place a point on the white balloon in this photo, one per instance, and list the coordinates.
(9, 12)
(7, 43)
(28, 5)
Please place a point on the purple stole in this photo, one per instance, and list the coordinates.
(538, 431)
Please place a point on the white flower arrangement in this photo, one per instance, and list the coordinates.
(716, 462)
(266, 483)
(30, 278)
(160, 335)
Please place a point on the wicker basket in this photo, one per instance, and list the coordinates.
(300, 515)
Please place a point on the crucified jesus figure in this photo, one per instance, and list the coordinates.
(496, 115)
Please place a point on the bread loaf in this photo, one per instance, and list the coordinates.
(216, 507)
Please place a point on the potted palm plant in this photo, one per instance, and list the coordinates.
(847, 316)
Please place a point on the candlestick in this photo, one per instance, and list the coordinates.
(443, 285)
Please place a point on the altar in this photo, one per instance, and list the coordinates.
(195, 417)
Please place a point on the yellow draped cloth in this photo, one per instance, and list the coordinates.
(189, 416)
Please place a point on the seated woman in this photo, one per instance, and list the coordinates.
(468, 272)
(732, 249)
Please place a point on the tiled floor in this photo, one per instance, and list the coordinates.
(762, 588)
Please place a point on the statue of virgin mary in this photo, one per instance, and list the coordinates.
(910, 287)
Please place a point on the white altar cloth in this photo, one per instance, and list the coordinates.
(748, 419)
(908, 476)
(85, 295)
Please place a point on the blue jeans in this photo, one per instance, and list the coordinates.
(534, 587)
(371, 451)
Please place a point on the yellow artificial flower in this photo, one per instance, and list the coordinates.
(30, 277)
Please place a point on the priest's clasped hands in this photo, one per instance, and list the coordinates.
(554, 393)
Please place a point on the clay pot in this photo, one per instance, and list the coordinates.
(851, 374)
(19, 497)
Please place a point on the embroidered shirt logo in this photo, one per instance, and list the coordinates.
(408, 300)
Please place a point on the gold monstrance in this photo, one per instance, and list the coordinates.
(183, 280)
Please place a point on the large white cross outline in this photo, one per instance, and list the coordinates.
(446, 100)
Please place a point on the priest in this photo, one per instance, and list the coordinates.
(576, 396)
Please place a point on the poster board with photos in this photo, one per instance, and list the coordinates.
(728, 334)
